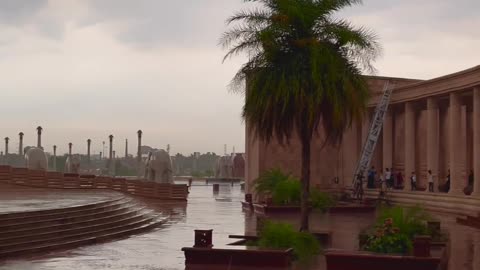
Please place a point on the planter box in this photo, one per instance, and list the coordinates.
(323, 237)
(247, 206)
(233, 256)
(264, 209)
(353, 260)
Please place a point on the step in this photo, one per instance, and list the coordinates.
(68, 222)
(42, 233)
(66, 214)
(131, 222)
(14, 215)
(80, 242)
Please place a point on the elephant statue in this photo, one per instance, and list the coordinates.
(72, 165)
(36, 159)
(158, 167)
(224, 167)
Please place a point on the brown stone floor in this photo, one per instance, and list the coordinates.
(19, 199)
(160, 249)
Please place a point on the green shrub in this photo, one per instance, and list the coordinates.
(284, 189)
(410, 221)
(287, 192)
(389, 239)
(321, 200)
(269, 180)
(282, 235)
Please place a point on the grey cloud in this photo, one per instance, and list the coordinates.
(19, 11)
(177, 23)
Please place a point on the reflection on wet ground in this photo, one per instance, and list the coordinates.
(160, 249)
(19, 199)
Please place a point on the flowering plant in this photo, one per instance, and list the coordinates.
(388, 239)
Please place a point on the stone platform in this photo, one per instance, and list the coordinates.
(432, 201)
(37, 220)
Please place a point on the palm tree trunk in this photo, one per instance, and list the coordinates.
(305, 179)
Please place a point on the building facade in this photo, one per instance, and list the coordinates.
(430, 125)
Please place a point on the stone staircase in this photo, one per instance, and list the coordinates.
(31, 232)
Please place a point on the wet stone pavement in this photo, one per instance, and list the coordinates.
(160, 249)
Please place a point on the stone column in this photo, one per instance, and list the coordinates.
(139, 150)
(103, 150)
(454, 144)
(55, 158)
(113, 172)
(89, 144)
(433, 139)
(110, 156)
(388, 141)
(39, 136)
(6, 146)
(476, 141)
(20, 145)
(126, 148)
(409, 142)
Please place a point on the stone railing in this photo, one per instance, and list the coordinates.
(58, 180)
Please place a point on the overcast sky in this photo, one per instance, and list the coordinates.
(86, 69)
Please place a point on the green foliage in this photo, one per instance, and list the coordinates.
(410, 221)
(321, 200)
(389, 239)
(287, 192)
(285, 189)
(282, 235)
(267, 182)
(396, 228)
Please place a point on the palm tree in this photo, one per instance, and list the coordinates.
(304, 72)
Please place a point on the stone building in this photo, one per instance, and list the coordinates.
(432, 124)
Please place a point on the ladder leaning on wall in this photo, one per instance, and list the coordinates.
(372, 138)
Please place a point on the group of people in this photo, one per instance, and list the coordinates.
(395, 180)
(391, 178)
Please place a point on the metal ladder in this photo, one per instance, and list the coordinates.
(371, 142)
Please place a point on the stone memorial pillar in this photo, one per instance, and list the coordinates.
(89, 144)
(110, 155)
(20, 145)
(55, 158)
(70, 149)
(39, 136)
(139, 150)
(6, 146)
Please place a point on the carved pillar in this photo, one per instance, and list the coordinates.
(89, 143)
(126, 148)
(388, 141)
(6, 145)
(454, 144)
(476, 141)
(39, 136)
(20, 145)
(433, 139)
(409, 142)
(139, 150)
(70, 149)
(55, 158)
